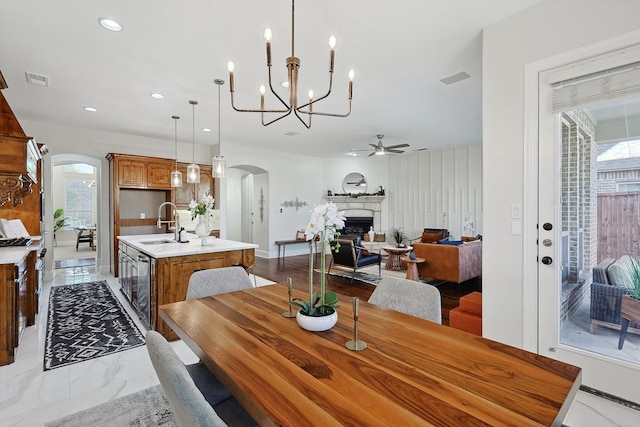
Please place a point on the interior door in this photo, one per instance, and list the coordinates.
(566, 238)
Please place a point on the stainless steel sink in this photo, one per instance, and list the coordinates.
(157, 242)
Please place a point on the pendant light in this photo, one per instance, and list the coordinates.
(176, 175)
(219, 164)
(193, 170)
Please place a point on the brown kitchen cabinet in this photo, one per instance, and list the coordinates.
(188, 192)
(172, 278)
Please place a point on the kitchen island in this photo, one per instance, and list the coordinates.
(154, 269)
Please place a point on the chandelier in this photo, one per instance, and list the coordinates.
(293, 64)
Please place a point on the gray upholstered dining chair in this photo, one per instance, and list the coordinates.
(408, 296)
(215, 281)
(190, 408)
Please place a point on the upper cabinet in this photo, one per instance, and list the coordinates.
(142, 172)
(19, 157)
(188, 192)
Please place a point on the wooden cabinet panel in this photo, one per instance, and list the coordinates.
(183, 195)
(132, 173)
(159, 175)
(173, 274)
(188, 192)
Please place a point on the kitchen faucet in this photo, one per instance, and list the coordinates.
(176, 222)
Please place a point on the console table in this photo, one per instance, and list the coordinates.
(283, 244)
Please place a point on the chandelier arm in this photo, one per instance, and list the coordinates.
(308, 126)
(243, 110)
(317, 113)
(318, 99)
(276, 94)
(276, 119)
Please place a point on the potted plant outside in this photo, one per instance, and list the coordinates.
(319, 313)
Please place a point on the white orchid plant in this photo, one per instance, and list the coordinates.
(325, 222)
(204, 207)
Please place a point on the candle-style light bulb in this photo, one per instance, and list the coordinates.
(230, 66)
(310, 95)
(262, 90)
(351, 75)
(332, 42)
(267, 34)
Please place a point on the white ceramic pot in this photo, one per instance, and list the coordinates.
(317, 324)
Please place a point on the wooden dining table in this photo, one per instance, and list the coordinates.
(413, 372)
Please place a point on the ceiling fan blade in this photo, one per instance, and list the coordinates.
(397, 146)
(394, 151)
(374, 145)
(371, 154)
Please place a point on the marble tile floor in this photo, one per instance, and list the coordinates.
(30, 397)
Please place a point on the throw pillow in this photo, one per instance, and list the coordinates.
(620, 273)
(450, 242)
(430, 237)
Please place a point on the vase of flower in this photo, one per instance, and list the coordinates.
(325, 221)
(203, 211)
(202, 231)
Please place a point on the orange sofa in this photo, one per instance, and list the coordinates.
(452, 263)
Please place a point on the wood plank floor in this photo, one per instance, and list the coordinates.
(297, 267)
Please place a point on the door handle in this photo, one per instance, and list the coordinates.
(547, 260)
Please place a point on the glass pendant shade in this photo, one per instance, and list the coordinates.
(219, 167)
(176, 175)
(176, 178)
(193, 170)
(193, 173)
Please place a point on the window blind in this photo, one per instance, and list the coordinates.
(597, 88)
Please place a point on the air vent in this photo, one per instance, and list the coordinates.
(37, 79)
(455, 78)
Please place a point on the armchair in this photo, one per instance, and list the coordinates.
(353, 256)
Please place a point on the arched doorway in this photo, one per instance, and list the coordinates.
(60, 162)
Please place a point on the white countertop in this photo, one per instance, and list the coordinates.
(175, 249)
(16, 254)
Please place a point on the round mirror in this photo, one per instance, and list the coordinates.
(355, 182)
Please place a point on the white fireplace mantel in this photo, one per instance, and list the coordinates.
(364, 206)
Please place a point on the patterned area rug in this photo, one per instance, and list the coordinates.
(148, 407)
(86, 321)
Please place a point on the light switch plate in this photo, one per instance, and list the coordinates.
(516, 211)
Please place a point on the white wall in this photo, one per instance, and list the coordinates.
(436, 189)
(547, 29)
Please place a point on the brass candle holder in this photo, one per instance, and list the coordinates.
(355, 344)
(290, 286)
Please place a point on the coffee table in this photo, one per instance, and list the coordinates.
(394, 261)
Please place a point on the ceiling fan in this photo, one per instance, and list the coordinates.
(381, 150)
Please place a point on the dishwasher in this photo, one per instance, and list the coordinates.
(146, 268)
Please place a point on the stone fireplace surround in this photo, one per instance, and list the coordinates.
(361, 206)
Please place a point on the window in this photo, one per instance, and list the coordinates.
(79, 189)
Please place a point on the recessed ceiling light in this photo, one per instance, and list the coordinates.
(109, 23)
(157, 96)
(206, 130)
(90, 109)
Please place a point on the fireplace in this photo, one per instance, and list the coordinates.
(357, 225)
